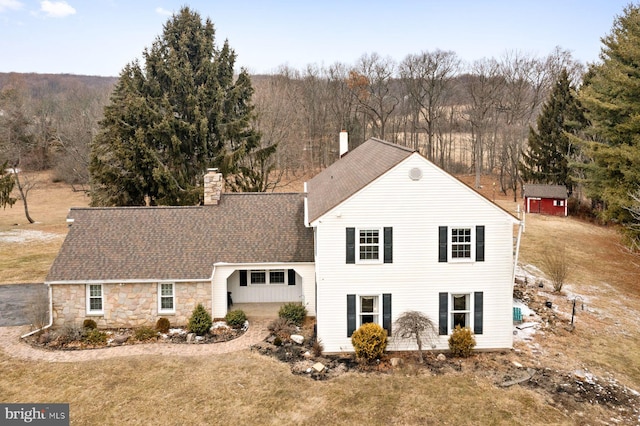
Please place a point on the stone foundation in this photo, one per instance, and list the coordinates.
(127, 305)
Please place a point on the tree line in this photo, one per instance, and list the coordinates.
(148, 136)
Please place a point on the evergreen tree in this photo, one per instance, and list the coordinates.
(171, 119)
(611, 98)
(550, 150)
(6, 186)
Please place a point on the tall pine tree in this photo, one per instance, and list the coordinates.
(551, 150)
(611, 98)
(171, 119)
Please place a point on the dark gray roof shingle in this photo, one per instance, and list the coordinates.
(545, 191)
(351, 173)
(177, 243)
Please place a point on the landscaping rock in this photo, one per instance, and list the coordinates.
(318, 366)
(191, 337)
(441, 357)
(120, 339)
(297, 338)
(396, 362)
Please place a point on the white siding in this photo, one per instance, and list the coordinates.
(415, 210)
(227, 278)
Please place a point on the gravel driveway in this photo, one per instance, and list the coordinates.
(16, 301)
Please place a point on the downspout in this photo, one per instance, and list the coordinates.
(515, 260)
(50, 315)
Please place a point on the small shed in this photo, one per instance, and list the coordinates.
(545, 199)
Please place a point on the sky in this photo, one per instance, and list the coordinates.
(99, 37)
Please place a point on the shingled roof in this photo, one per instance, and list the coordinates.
(545, 191)
(182, 243)
(351, 173)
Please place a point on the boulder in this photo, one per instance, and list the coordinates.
(297, 338)
(121, 339)
(441, 357)
(191, 337)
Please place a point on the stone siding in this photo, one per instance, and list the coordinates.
(128, 305)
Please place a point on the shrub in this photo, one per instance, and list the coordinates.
(145, 333)
(163, 325)
(235, 318)
(461, 342)
(277, 341)
(70, 333)
(93, 336)
(282, 328)
(90, 324)
(200, 321)
(556, 264)
(369, 342)
(294, 312)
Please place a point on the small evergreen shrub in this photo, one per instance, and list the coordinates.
(93, 336)
(235, 318)
(282, 328)
(294, 312)
(145, 333)
(277, 341)
(200, 321)
(369, 342)
(90, 324)
(163, 325)
(461, 342)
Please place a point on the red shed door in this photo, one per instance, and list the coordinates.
(534, 205)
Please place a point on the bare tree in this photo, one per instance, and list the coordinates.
(416, 326)
(427, 79)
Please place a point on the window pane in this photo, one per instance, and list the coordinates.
(166, 289)
(95, 304)
(95, 290)
(258, 277)
(369, 304)
(460, 319)
(166, 303)
(461, 243)
(276, 277)
(367, 319)
(460, 303)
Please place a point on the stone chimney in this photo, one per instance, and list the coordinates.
(213, 186)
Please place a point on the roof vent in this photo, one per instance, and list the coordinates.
(415, 174)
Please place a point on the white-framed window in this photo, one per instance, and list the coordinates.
(268, 277)
(558, 203)
(461, 243)
(460, 310)
(369, 310)
(166, 298)
(95, 299)
(369, 245)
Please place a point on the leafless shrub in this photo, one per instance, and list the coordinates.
(282, 328)
(556, 265)
(416, 326)
(38, 310)
(317, 348)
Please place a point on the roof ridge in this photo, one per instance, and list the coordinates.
(135, 208)
(393, 144)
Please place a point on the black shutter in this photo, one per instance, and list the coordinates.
(351, 314)
(243, 278)
(388, 245)
(480, 243)
(292, 277)
(351, 245)
(386, 312)
(477, 312)
(442, 244)
(443, 326)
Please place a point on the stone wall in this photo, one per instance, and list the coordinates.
(128, 305)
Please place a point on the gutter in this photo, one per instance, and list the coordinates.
(50, 315)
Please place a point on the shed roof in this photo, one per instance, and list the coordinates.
(178, 243)
(351, 173)
(545, 191)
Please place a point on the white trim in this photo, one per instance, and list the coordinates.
(173, 298)
(380, 245)
(472, 256)
(377, 312)
(88, 297)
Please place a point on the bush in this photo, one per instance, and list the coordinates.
(200, 321)
(145, 333)
(369, 342)
(294, 312)
(90, 324)
(163, 325)
(71, 333)
(277, 341)
(282, 328)
(235, 318)
(461, 342)
(94, 336)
